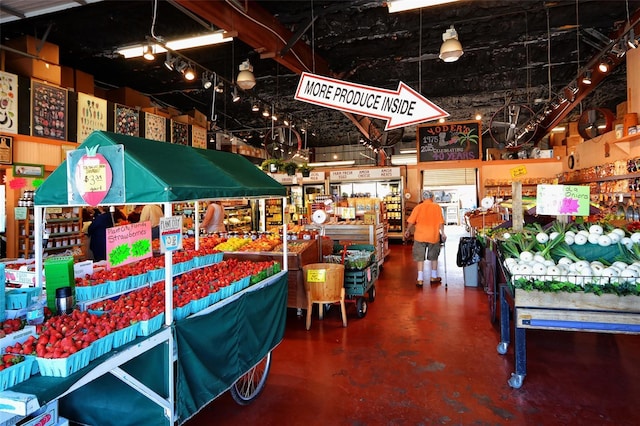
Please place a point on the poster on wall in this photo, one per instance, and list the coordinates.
(49, 111)
(8, 102)
(449, 141)
(179, 133)
(155, 127)
(6, 149)
(92, 115)
(198, 137)
(127, 121)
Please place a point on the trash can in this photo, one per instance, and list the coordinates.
(470, 274)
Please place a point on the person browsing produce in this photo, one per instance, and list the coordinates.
(426, 223)
(213, 218)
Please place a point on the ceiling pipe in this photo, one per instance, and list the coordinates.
(559, 110)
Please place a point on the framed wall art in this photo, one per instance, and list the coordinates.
(48, 111)
(198, 137)
(8, 102)
(179, 133)
(127, 121)
(28, 170)
(6, 149)
(92, 115)
(155, 127)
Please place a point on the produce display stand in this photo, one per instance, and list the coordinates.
(296, 296)
(607, 313)
(155, 172)
(374, 235)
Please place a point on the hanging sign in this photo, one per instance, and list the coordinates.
(128, 243)
(517, 172)
(96, 175)
(170, 233)
(364, 174)
(449, 141)
(563, 200)
(401, 107)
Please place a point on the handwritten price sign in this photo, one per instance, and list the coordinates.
(95, 177)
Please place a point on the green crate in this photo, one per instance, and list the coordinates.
(357, 283)
(58, 272)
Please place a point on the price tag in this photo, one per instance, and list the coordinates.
(20, 213)
(518, 171)
(95, 177)
(170, 233)
(316, 275)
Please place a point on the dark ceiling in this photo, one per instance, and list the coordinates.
(523, 51)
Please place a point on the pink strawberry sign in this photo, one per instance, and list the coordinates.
(93, 176)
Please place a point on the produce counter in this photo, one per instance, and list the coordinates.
(248, 325)
(300, 253)
(606, 313)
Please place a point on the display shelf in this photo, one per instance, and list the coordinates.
(393, 204)
(238, 218)
(273, 212)
(64, 233)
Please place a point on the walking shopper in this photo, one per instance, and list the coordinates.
(426, 223)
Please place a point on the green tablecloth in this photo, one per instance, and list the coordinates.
(213, 349)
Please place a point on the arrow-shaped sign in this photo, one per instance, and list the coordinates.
(401, 107)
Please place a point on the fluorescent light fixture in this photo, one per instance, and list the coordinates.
(408, 151)
(333, 163)
(404, 160)
(136, 50)
(403, 5)
(559, 129)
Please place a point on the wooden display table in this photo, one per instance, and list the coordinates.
(308, 253)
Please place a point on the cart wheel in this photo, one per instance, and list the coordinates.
(361, 307)
(248, 387)
(372, 293)
(502, 348)
(516, 380)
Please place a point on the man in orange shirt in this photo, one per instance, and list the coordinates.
(427, 224)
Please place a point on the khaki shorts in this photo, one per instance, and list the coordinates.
(419, 250)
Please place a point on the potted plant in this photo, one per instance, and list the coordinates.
(305, 169)
(290, 168)
(272, 165)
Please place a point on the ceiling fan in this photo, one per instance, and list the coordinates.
(511, 127)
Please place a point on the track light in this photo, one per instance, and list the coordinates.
(246, 80)
(586, 79)
(285, 121)
(255, 107)
(207, 80)
(189, 73)
(631, 41)
(170, 62)
(274, 117)
(603, 67)
(265, 112)
(451, 49)
(220, 87)
(147, 52)
(235, 97)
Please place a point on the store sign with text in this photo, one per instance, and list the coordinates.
(563, 200)
(364, 174)
(285, 179)
(128, 243)
(449, 141)
(401, 107)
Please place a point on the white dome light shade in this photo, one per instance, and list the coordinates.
(246, 80)
(451, 48)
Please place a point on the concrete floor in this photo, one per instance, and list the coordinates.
(428, 356)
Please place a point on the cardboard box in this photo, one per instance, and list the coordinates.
(186, 119)
(84, 83)
(556, 139)
(573, 140)
(199, 118)
(45, 416)
(35, 68)
(67, 78)
(129, 97)
(572, 129)
(560, 151)
(48, 52)
(162, 112)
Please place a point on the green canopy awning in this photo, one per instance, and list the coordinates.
(159, 172)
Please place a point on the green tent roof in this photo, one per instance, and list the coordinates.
(158, 172)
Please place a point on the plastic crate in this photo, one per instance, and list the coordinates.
(16, 373)
(357, 283)
(199, 304)
(182, 312)
(101, 346)
(151, 325)
(20, 298)
(125, 335)
(91, 292)
(63, 367)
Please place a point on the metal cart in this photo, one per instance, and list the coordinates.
(358, 283)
